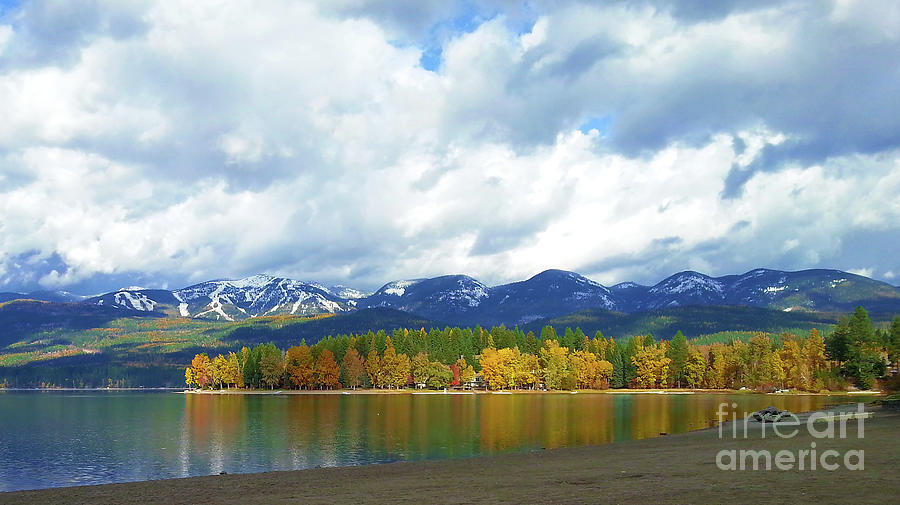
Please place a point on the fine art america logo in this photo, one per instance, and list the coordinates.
(822, 426)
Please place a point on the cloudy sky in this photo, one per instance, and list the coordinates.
(356, 141)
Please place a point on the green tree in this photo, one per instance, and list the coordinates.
(568, 339)
(616, 357)
(251, 366)
(579, 340)
(531, 346)
(548, 333)
(861, 330)
(271, 365)
(893, 345)
(837, 347)
(678, 353)
(439, 375)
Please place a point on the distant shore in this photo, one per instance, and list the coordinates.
(509, 391)
(236, 391)
(668, 469)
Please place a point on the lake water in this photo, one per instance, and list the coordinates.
(53, 439)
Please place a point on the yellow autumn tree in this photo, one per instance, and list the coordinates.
(794, 365)
(202, 370)
(557, 370)
(395, 368)
(529, 371)
(219, 370)
(694, 367)
(590, 372)
(652, 366)
(501, 369)
(814, 353)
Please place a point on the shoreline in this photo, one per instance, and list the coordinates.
(506, 392)
(236, 391)
(678, 468)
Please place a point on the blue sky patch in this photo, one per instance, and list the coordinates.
(601, 124)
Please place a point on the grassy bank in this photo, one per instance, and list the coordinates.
(671, 469)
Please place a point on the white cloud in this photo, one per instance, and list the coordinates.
(229, 139)
(865, 272)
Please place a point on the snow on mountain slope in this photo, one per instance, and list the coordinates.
(684, 288)
(259, 295)
(345, 292)
(461, 299)
(440, 298)
(548, 294)
(135, 298)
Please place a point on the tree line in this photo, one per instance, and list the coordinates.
(503, 358)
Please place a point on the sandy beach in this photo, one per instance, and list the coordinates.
(667, 469)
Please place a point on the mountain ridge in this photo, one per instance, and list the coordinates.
(463, 299)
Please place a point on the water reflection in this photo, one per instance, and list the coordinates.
(60, 439)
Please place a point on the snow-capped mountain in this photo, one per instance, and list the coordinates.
(258, 295)
(135, 298)
(553, 293)
(548, 294)
(683, 288)
(343, 292)
(43, 296)
(460, 299)
(441, 298)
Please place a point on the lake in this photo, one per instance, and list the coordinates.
(53, 439)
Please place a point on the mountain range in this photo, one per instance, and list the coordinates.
(460, 299)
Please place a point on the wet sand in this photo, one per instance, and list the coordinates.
(667, 469)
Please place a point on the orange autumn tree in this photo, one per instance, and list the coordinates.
(327, 373)
(299, 366)
(354, 369)
(202, 368)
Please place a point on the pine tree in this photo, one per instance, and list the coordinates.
(678, 353)
(578, 340)
(548, 333)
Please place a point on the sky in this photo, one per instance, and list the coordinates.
(363, 141)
